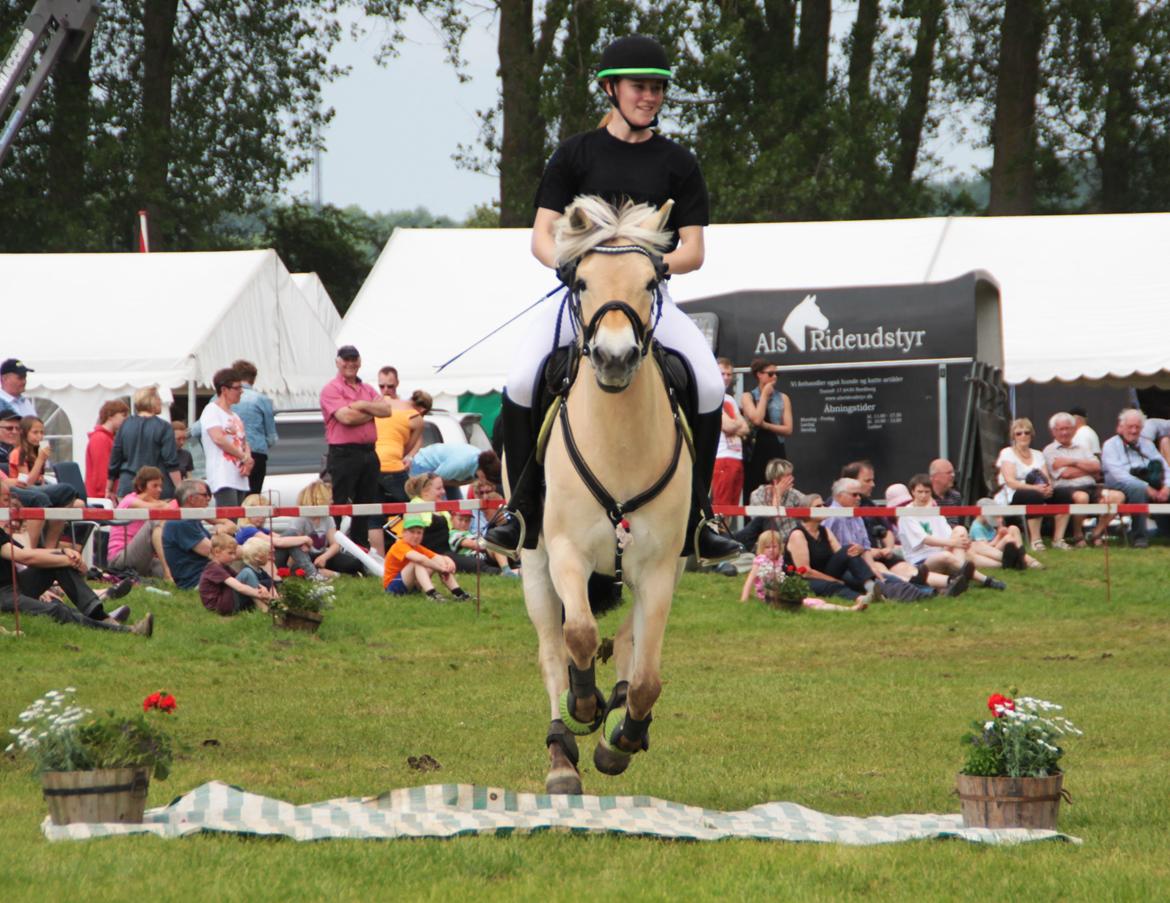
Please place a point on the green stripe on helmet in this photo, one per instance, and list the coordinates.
(608, 73)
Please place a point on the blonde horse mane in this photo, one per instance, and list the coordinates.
(590, 221)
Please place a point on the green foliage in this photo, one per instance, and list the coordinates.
(299, 593)
(244, 109)
(1021, 740)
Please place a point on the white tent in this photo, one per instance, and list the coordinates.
(99, 326)
(1078, 293)
(317, 295)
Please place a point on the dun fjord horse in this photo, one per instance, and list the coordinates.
(617, 466)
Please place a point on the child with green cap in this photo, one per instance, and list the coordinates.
(409, 565)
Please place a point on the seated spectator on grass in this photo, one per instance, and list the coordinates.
(186, 462)
(882, 531)
(329, 558)
(1024, 477)
(829, 569)
(853, 536)
(1002, 536)
(466, 547)
(42, 568)
(138, 544)
(298, 545)
(410, 565)
(942, 486)
(769, 562)
(227, 458)
(187, 543)
(486, 491)
(48, 495)
(777, 492)
(1133, 466)
(219, 589)
(929, 541)
(1075, 471)
(100, 444)
(256, 554)
(427, 487)
(144, 439)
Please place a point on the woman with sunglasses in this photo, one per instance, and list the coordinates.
(1023, 477)
(769, 412)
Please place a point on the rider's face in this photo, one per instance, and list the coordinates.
(639, 99)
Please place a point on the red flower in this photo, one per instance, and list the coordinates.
(282, 572)
(300, 572)
(998, 700)
(151, 702)
(789, 569)
(167, 704)
(802, 570)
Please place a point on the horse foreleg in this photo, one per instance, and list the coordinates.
(627, 732)
(544, 610)
(581, 706)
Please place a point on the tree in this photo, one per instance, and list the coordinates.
(187, 108)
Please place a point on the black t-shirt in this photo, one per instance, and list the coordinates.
(653, 171)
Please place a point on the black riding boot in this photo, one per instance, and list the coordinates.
(519, 524)
(708, 545)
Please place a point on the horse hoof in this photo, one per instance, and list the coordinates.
(610, 761)
(562, 781)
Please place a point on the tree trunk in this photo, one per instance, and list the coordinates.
(158, 69)
(913, 114)
(68, 142)
(523, 127)
(1013, 132)
(583, 26)
(861, 52)
(1118, 20)
(812, 49)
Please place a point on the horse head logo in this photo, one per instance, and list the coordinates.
(806, 315)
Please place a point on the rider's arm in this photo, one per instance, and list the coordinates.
(688, 256)
(544, 246)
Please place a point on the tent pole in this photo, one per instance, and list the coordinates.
(190, 403)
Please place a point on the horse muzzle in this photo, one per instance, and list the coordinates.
(614, 370)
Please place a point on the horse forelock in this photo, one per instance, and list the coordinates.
(590, 222)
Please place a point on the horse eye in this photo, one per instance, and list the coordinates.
(580, 285)
(651, 285)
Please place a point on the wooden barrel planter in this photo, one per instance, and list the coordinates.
(295, 619)
(101, 795)
(987, 802)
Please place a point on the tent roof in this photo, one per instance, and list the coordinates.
(1075, 290)
(135, 320)
(317, 295)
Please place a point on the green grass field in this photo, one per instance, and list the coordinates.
(855, 714)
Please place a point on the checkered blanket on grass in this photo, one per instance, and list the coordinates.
(453, 810)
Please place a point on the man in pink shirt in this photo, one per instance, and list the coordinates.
(348, 407)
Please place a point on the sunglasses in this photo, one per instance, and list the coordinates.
(385, 386)
(769, 372)
(1023, 432)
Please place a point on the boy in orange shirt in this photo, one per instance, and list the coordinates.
(409, 565)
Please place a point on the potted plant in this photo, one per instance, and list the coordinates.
(1012, 778)
(94, 768)
(786, 588)
(300, 602)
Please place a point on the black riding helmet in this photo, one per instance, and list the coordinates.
(634, 56)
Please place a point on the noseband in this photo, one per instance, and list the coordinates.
(643, 333)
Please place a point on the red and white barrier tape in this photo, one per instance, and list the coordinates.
(470, 505)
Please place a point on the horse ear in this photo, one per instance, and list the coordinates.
(657, 219)
(578, 219)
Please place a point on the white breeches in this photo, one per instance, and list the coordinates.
(675, 331)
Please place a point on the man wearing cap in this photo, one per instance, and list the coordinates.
(348, 407)
(1085, 437)
(13, 377)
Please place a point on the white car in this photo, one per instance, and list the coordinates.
(296, 460)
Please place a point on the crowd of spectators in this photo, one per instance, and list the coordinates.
(137, 460)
